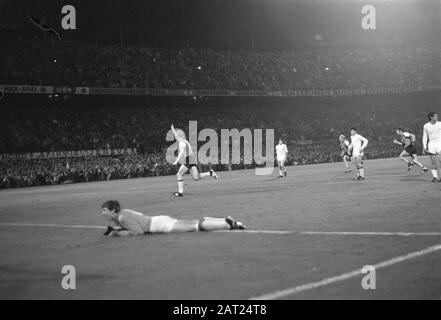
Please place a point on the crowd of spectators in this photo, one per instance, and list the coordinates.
(37, 172)
(104, 122)
(33, 172)
(71, 64)
(310, 127)
(35, 124)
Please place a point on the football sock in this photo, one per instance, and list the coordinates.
(204, 174)
(419, 164)
(207, 224)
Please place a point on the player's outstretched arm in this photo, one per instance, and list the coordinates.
(121, 233)
(173, 129)
(129, 227)
(116, 232)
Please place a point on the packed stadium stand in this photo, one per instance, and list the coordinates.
(70, 64)
(310, 125)
(121, 84)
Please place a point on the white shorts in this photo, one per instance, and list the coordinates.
(434, 149)
(281, 159)
(357, 153)
(162, 224)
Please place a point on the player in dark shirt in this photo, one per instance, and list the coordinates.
(410, 150)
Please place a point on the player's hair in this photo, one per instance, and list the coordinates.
(342, 136)
(431, 114)
(180, 133)
(400, 129)
(353, 128)
(112, 205)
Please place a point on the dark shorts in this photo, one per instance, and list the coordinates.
(411, 149)
(190, 162)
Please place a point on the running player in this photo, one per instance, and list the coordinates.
(344, 145)
(132, 223)
(410, 150)
(356, 148)
(282, 154)
(432, 143)
(187, 161)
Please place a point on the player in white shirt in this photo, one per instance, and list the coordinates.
(357, 146)
(187, 161)
(432, 143)
(128, 222)
(282, 154)
(346, 156)
(410, 150)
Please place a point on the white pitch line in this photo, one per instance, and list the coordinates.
(361, 233)
(7, 224)
(344, 276)
(338, 233)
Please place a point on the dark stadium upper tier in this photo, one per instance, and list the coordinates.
(66, 64)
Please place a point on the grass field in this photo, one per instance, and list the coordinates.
(309, 235)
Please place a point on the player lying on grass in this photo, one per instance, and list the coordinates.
(410, 150)
(132, 223)
(187, 161)
(432, 143)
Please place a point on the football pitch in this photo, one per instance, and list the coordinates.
(308, 237)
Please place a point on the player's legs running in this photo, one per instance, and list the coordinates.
(438, 161)
(419, 164)
(436, 165)
(194, 173)
(200, 175)
(403, 157)
(346, 160)
(180, 177)
(359, 165)
(282, 169)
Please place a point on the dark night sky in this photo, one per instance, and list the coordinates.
(231, 24)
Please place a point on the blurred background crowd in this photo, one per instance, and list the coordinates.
(213, 45)
(70, 64)
(309, 126)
